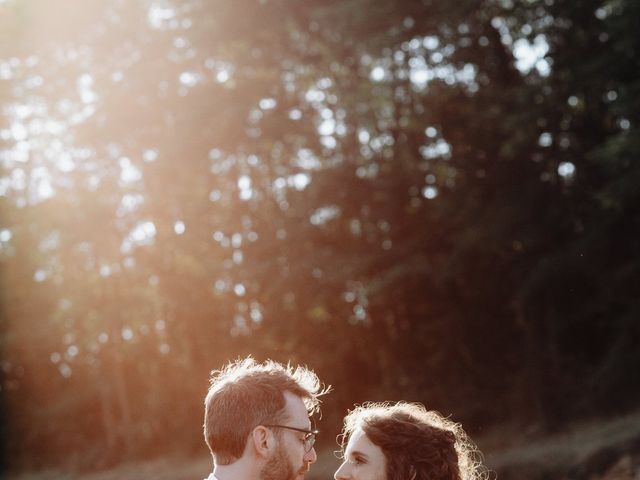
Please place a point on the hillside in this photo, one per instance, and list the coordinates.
(598, 450)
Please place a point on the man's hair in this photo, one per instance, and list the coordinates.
(245, 394)
(417, 444)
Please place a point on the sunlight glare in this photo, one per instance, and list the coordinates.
(160, 15)
(531, 55)
(65, 370)
(127, 334)
(142, 234)
(244, 185)
(307, 160)
(378, 74)
(179, 227)
(323, 214)
(438, 149)
(40, 276)
(189, 79)
(267, 103)
(327, 127)
(239, 289)
(128, 172)
(129, 203)
(430, 192)
(84, 86)
(566, 169)
(299, 181)
(150, 155)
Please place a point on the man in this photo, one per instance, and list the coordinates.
(256, 420)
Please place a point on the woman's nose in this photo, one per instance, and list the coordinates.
(342, 472)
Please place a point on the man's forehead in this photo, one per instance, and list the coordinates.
(296, 409)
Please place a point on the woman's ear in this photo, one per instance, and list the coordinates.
(262, 440)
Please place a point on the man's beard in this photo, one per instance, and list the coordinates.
(278, 467)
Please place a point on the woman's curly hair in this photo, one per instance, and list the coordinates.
(418, 444)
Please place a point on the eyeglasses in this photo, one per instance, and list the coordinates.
(309, 439)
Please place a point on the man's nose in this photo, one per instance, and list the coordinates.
(310, 456)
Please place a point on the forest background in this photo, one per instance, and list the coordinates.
(427, 200)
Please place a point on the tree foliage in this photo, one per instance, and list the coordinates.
(420, 200)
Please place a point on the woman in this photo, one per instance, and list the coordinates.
(404, 441)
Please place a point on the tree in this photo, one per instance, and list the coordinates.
(419, 200)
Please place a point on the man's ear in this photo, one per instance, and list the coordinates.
(262, 440)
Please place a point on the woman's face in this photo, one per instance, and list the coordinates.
(362, 460)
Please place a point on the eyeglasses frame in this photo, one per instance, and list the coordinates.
(310, 437)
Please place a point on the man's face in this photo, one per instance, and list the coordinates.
(278, 467)
(290, 461)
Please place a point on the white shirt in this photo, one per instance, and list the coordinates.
(211, 477)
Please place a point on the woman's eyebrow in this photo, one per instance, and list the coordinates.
(357, 453)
